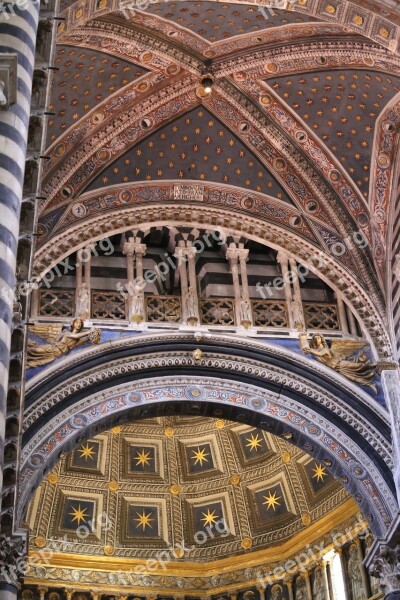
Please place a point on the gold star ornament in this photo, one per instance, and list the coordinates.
(199, 456)
(319, 472)
(255, 442)
(86, 452)
(272, 501)
(143, 520)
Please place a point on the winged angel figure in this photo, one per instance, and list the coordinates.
(59, 341)
(340, 357)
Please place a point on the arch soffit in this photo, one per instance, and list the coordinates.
(300, 408)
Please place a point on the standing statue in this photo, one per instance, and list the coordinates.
(355, 574)
(82, 308)
(339, 357)
(276, 592)
(60, 341)
(137, 304)
(301, 589)
(191, 305)
(318, 585)
(246, 316)
(297, 312)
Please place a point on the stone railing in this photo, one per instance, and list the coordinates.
(214, 311)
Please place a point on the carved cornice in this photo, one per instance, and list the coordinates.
(241, 572)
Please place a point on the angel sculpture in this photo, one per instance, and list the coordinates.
(60, 341)
(339, 356)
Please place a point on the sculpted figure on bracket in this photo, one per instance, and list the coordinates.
(340, 356)
(60, 341)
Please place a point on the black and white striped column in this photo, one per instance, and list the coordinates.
(18, 28)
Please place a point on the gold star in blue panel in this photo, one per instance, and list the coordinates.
(318, 475)
(271, 502)
(143, 521)
(142, 459)
(77, 513)
(209, 516)
(253, 444)
(86, 456)
(200, 458)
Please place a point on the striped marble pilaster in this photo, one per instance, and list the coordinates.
(18, 28)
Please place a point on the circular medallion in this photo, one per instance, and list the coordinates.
(168, 432)
(78, 209)
(40, 542)
(383, 160)
(175, 489)
(334, 175)
(271, 67)
(178, 552)
(173, 69)
(246, 543)
(306, 519)
(113, 486)
(97, 118)
(143, 86)
(103, 154)
(279, 164)
(194, 393)
(234, 479)
(59, 150)
(265, 99)
(116, 430)
(134, 397)
(53, 478)
(146, 56)
(220, 424)
(78, 421)
(36, 460)
(109, 550)
(286, 457)
(125, 196)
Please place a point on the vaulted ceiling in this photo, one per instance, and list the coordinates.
(301, 122)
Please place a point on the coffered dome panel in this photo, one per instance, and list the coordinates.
(170, 480)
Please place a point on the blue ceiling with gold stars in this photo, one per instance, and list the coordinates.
(341, 108)
(83, 80)
(220, 21)
(195, 146)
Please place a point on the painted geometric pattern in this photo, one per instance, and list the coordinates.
(195, 146)
(341, 107)
(216, 22)
(84, 79)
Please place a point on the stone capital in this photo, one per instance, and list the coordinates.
(12, 558)
(386, 566)
(128, 249)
